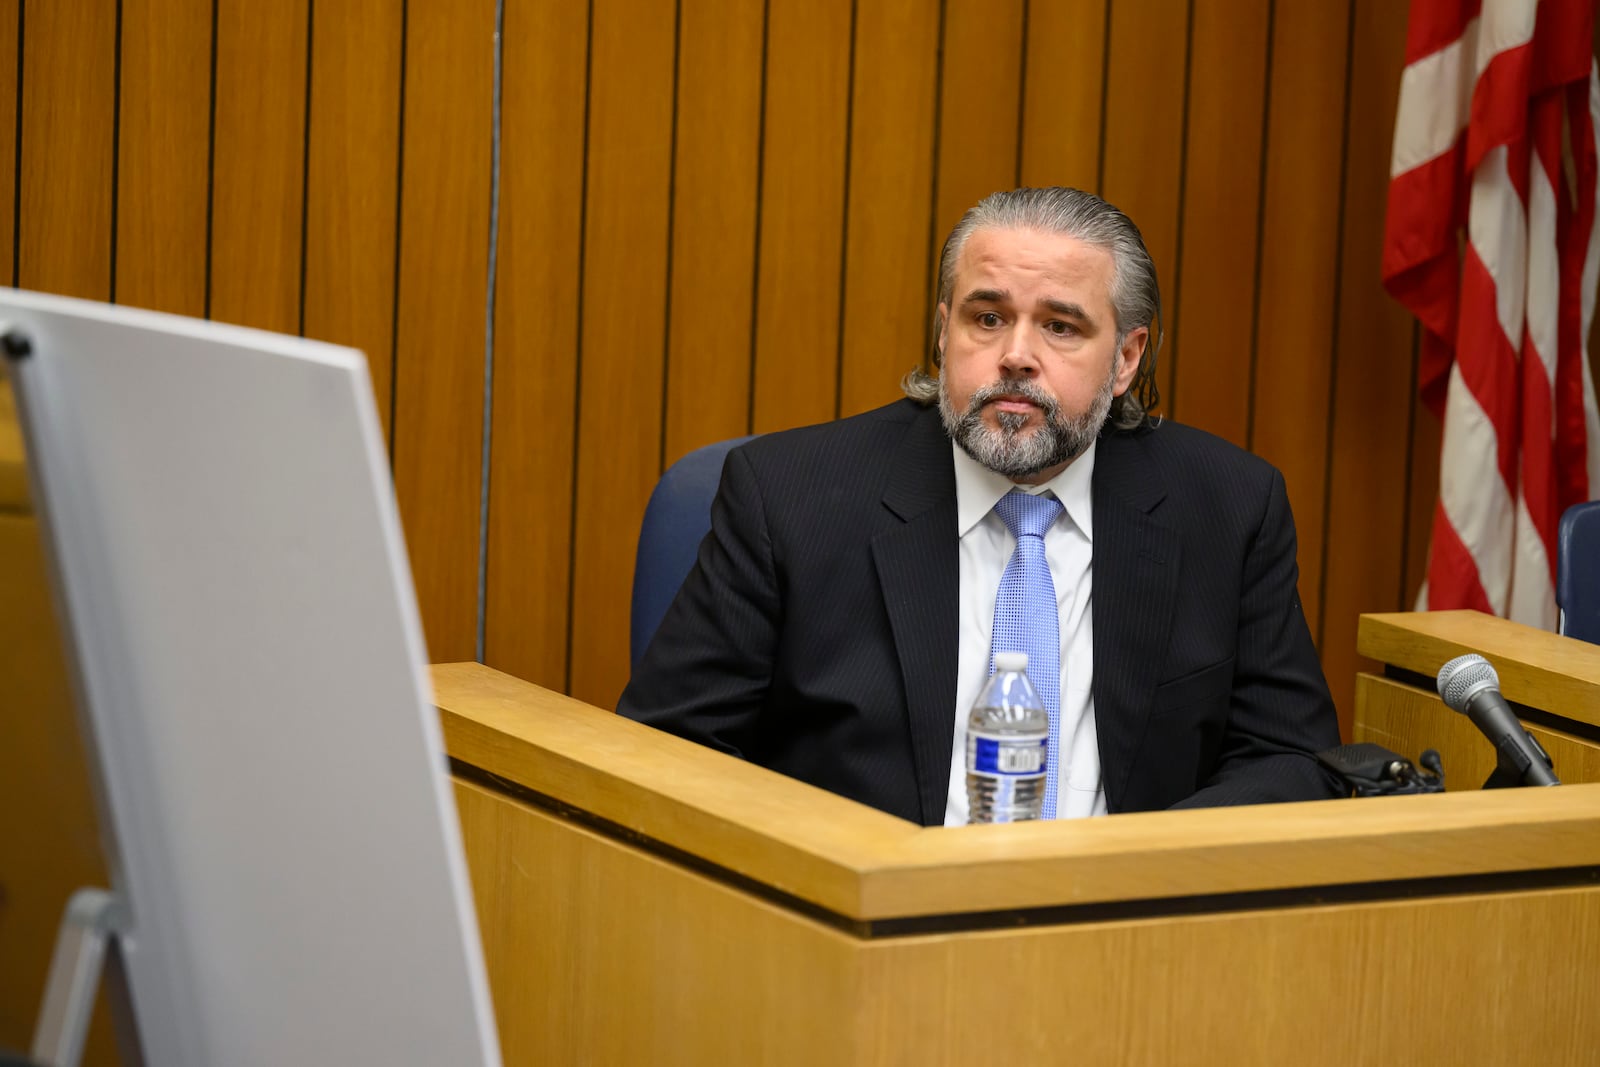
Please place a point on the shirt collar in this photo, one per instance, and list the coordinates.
(979, 489)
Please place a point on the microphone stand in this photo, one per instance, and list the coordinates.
(1507, 775)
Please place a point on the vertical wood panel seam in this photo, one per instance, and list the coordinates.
(672, 220)
(1333, 340)
(1261, 229)
(928, 340)
(116, 157)
(211, 158)
(577, 382)
(1022, 90)
(1170, 327)
(755, 253)
(1411, 458)
(305, 159)
(399, 230)
(16, 187)
(844, 211)
(490, 282)
(1105, 94)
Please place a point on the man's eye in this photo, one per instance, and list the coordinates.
(1059, 328)
(988, 319)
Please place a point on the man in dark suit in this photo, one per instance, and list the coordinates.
(837, 624)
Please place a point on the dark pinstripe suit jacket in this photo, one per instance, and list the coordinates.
(817, 633)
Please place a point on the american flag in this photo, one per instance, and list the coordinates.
(1491, 243)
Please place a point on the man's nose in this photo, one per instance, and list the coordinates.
(1020, 359)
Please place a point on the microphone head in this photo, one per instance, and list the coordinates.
(1463, 678)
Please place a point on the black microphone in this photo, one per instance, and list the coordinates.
(1469, 685)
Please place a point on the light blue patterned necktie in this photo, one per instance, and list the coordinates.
(1025, 615)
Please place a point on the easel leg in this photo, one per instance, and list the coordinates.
(91, 920)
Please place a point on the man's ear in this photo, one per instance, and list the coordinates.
(944, 328)
(1130, 355)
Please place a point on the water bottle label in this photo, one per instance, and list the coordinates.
(1011, 756)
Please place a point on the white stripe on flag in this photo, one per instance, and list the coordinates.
(1498, 230)
(1425, 128)
(1503, 25)
(1533, 597)
(1471, 491)
(1544, 271)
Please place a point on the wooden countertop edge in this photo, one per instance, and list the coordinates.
(860, 863)
(1543, 670)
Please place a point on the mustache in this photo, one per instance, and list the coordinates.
(1021, 388)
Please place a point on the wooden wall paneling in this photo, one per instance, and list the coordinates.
(626, 251)
(164, 147)
(353, 181)
(796, 364)
(887, 298)
(258, 170)
(439, 347)
(68, 113)
(980, 96)
(1142, 164)
(1213, 303)
(10, 16)
(1299, 268)
(1061, 101)
(1427, 438)
(1372, 387)
(545, 68)
(715, 189)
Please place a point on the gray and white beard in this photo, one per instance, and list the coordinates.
(1013, 450)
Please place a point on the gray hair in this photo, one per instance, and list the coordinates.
(1135, 291)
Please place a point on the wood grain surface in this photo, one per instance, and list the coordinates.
(1221, 214)
(626, 246)
(730, 231)
(258, 165)
(803, 180)
(886, 285)
(353, 182)
(67, 115)
(576, 923)
(1298, 298)
(443, 286)
(1557, 674)
(531, 477)
(861, 864)
(1407, 720)
(164, 155)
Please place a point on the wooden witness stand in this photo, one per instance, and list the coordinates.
(644, 900)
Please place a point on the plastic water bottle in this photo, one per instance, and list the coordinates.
(1008, 734)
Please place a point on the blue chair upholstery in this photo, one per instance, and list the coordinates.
(676, 520)
(1578, 571)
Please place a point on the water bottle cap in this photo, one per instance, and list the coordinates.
(1010, 661)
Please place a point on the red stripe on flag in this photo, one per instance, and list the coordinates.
(1500, 106)
(1427, 205)
(1563, 36)
(1436, 24)
(1573, 229)
(1452, 572)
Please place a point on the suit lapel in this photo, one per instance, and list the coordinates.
(1135, 582)
(919, 569)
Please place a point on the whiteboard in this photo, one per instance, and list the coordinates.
(274, 797)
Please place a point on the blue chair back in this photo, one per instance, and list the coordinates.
(1578, 571)
(676, 520)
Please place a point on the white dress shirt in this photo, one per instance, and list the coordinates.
(986, 548)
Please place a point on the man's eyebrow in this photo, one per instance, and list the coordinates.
(986, 296)
(1062, 307)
